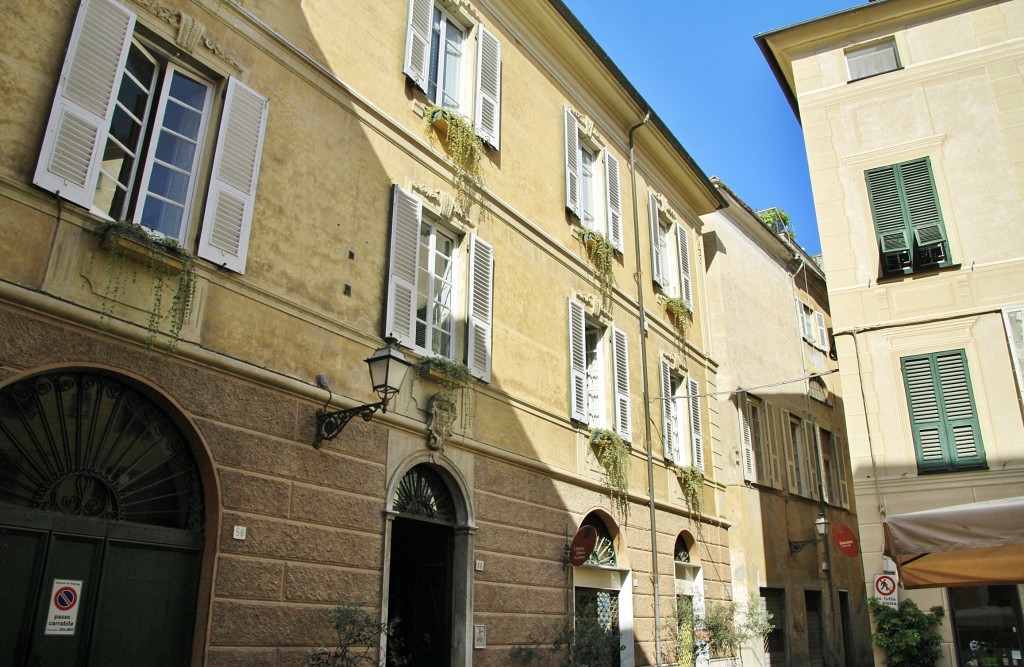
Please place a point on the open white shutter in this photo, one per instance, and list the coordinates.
(685, 284)
(669, 421)
(696, 426)
(812, 452)
(747, 460)
(578, 362)
(773, 444)
(572, 163)
(481, 289)
(614, 197)
(84, 103)
(788, 445)
(801, 319)
(819, 320)
(620, 361)
(224, 239)
(488, 86)
(839, 455)
(406, 215)
(657, 252)
(417, 42)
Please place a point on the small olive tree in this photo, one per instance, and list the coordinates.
(359, 636)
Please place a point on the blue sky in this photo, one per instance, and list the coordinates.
(697, 65)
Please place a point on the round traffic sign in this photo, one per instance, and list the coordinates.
(65, 598)
(885, 585)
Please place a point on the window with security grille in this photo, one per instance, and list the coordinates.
(943, 416)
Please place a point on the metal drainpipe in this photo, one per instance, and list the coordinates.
(647, 401)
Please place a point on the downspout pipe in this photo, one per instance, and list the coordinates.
(646, 398)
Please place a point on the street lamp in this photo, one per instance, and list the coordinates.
(388, 366)
(822, 526)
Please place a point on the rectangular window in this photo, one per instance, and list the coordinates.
(439, 61)
(425, 299)
(1013, 320)
(673, 389)
(878, 58)
(670, 252)
(590, 376)
(127, 132)
(908, 221)
(592, 188)
(943, 418)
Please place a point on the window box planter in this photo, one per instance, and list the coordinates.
(148, 251)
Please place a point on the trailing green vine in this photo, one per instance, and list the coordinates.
(691, 479)
(680, 314)
(158, 256)
(454, 379)
(465, 148)
(601, 254)
(613, 455)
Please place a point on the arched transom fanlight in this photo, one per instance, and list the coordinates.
(604, 550)
(422, 493)
(89, 445)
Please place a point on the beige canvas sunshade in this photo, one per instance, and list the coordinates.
(963, 545)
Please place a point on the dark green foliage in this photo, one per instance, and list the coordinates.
(907, 635)
(358, 639)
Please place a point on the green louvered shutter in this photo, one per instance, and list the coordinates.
(887, 209)
(921, 200)
(942, 414)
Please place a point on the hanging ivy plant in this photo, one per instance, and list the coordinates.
(452, 376)
(680, 313)
(613, 455)
(464, 146)
(691, 479)
(170, 267)
(601, 254)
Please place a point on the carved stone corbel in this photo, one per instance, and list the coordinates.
(442, 414)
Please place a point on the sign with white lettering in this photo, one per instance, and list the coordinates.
(63, 607)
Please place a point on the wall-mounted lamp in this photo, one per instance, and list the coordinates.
(387, 372)
(821, 527)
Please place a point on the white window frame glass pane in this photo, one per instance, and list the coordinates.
(757, 442)
(871, 60)
(1013, 320)
(595, 396)
(435, 287)
(446, 61)
(146, 192)
(588, 186)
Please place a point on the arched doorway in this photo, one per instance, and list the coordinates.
(428, 583)
(101, 525)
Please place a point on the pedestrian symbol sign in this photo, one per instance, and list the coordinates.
(63, 615)
(885, 590)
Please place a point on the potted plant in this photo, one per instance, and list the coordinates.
(601, 254)
(679, 313)
(465, 148)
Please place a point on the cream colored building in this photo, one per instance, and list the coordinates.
(780, 406)
(911, 112)
(161, 500)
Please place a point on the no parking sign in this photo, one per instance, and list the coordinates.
(63, 613)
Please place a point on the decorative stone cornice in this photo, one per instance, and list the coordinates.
(587, 130)
(191, 32)
(445, 206)
(663, 206)
(462, 10)
(595, 306)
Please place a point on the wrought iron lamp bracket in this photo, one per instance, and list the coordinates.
(796, 546)
(329, 423)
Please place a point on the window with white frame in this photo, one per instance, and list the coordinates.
(681, 422)
(670, 250)
(833, 468)
(127, 134)
(755, 446)
(429, 263)
(592, 180)
(456, 62)
(877, 58)
(801, 463)
(598, 365)
(1013, 320)
(812, 326)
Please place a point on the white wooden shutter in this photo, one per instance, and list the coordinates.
(839, 455)
(488, 86)
(696, 427)
(669, 412)
(819, 320)
(811, 459)
(773, 444)
(789, 446)
(417, 42)
(747, 460)
(572, 163)
(657, 252)
(224, 239)
(481, 290)
(406, 216)
(801, 319)
(685, 284)
(620, 362)
(578, 362)
(614, 197)
(84, 103)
